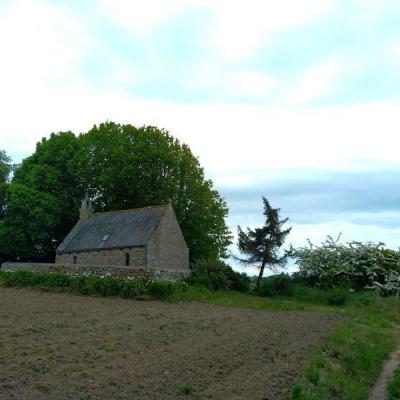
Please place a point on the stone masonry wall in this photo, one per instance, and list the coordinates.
(105, 257)
(167, 247)
(121, 271)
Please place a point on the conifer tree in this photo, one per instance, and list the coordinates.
(261, 245)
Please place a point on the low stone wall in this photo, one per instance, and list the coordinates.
(114, 270)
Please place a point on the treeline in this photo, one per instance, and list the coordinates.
(121, 167)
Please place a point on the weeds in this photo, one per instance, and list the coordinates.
(186, 389)
(42, 368)
(40, 387)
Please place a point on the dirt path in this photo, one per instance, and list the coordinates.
(61, 346)
(389, 368)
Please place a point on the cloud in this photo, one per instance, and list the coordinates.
(371, 10)
(392, 51)
(138, 16)
(41, 41)
(328, 192)
(218, 84)
(233, 28)
(319, 81)
(242, 27)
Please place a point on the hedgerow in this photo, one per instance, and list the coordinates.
(93, 285)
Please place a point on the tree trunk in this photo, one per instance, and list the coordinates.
(260, 275)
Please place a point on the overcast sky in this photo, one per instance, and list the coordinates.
(295, 100)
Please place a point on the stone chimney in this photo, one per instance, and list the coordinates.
(86, 209)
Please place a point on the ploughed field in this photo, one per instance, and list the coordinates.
(62, 346)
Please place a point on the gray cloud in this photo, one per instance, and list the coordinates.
(314, 197)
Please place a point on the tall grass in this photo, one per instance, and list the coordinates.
(393, 389)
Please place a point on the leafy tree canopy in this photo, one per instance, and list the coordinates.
(5, 166)
(126, 167)
(27, 231)
(5, 170)
(261, 245)
(43, 198)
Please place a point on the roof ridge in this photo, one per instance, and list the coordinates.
(129, 209)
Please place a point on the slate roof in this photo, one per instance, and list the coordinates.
(115, 229)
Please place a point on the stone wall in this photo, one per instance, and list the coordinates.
(167, 246)
(105, 257)
(114, 270)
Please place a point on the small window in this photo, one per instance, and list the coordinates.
(75, 260)
(127, 259)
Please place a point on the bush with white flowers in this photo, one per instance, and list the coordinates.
(354, 264)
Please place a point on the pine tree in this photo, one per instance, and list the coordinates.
(261, 245)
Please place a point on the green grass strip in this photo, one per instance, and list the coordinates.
(349, 363)
(393, 389)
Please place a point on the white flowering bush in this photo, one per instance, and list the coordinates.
(390, 286)
(353, 264)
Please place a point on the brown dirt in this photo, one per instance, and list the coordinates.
(61, 346)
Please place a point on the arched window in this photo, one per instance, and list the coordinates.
(127, 259)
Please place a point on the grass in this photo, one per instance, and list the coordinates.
(349, 363)
(227, 298)
(393, 389)
(345, 367)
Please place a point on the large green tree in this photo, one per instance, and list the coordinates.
(5, 170)
(42, 199)
(261, 245)
(125, 167)
(27, 230)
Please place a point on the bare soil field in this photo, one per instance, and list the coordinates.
(61, 346)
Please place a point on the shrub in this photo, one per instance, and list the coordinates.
(238, 281)
(337, 296)
(94, 285)
(132, 288)
(199, 280)
(180, 287)
(160, 289)
(354, 264)
(275, 285)
(78, 284)
(214, 270)
(215, 274)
